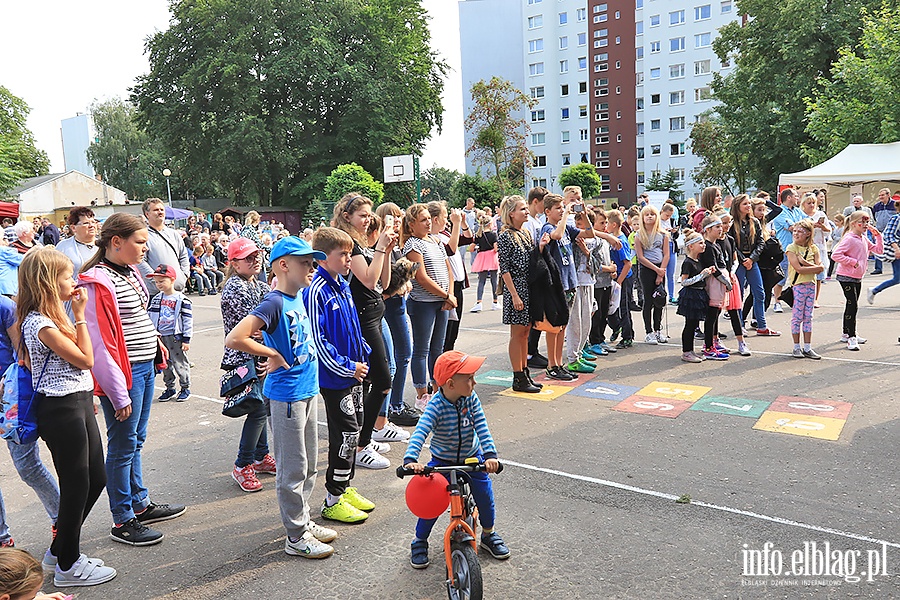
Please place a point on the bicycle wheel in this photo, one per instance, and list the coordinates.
(466, 573)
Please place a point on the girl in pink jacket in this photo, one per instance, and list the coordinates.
(852, 255)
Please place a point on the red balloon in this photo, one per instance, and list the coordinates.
(427, 496)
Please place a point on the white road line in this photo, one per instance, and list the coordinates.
(736, 511)
(666, 496)
(850, 360)
(219, 328)
(503, 331)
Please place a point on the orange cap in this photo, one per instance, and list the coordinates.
(453, 362)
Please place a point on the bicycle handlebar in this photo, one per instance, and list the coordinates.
(402, 471)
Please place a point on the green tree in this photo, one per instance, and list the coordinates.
(720, 162)
(858, 104)
(780, 51)
(19, 157)
(668, 182)
(486, 192)
(439, 181)
(266, 97)
(583, 175)
(351, 178)
(498, 137)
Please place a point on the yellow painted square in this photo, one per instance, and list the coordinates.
(673, 391)
(547, 393)
(825, 428)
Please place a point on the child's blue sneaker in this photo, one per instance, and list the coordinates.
(164, 397)
(493, 543)
(418, 555)
(183, 395)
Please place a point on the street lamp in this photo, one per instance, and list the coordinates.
(167, 173)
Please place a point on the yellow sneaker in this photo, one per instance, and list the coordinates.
(357, 500)
(343, 512)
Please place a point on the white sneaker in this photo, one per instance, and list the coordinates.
(85, 572)
(476, 308)
(380, 447)
(870, 295)
(323, 534)
(390, 433)
(497, 306)
(308, 547)
(661, 338)
(852, 344)
(651, 339)
(777, 308)
(370, 459)
(422, 401)
(859, 339)
(743, 349)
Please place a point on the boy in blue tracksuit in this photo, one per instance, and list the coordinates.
(171, 314)
(456, 420)
(343, 363)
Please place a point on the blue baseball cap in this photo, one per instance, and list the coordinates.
(293, 246)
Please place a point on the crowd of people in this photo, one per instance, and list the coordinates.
(347, 310)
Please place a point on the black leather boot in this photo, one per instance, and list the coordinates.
(521, 383)
(532, 381)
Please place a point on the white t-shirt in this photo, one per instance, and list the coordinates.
(59, 378)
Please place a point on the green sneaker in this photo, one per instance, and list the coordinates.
(579, 367)
(344, 512)
(587, 364)
(357, 500)
(588, 355)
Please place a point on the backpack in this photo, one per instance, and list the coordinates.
(18, 419)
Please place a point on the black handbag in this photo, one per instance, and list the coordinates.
(242, 390)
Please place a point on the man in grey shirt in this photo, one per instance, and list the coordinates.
(164, 246)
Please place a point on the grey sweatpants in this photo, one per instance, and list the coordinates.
(295, 444)
(178, 364)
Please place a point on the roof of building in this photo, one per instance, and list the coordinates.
(32, 182)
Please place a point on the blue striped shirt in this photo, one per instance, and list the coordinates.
(892, 232)
(459, 431)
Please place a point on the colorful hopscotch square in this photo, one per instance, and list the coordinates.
(815, 408)
(501, 378)
(603, 390)
(674, 391)
(582, 378)
(547, 393)
(824, 428)
(648, 405)
(740, 407)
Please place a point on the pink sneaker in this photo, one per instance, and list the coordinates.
(266, 465)
(422, 402)
(246, 478)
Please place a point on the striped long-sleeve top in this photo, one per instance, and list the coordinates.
(459, 430)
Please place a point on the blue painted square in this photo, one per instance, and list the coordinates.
(604, 391)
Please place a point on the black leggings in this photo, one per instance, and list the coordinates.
(737, 324)
(379, 377)
(344, 411)
(851, 290)
(711, 327)
(600, 316)
(68, 426)
(687, 334)
(648, 284)
(453, 326)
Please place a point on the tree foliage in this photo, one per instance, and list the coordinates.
(583, 175)
(667, 182)
(352, 178)
(19, 157)
(858, 105)
(720, 162)
(266, 97)
(498, 137)
(485, 192)
(439, 183)
(780, 51)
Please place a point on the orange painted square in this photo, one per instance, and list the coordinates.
(813, 408)
(657, 407)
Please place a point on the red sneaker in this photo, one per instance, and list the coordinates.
(266, 465)
(767, 332)
(246, 478)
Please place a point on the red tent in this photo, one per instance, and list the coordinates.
(9, 209)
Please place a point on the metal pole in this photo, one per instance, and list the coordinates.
(418, 179)
(169, 191)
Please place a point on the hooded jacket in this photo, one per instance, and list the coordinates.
(546, 298)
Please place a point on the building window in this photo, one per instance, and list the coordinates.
(602, 92)
(603, 116)
(654, 125)
(676, 71)
(537, 116)
(654, 20)
(535, 21)
(654, 48)
(702, 40)
(676, 17)
(676, 44)
(600, 8)
(530, 2)
(637, 4)
(726, 6)
(536, 45)
(726, 63)
(702, 13)
(582, 110)
(536, 68)
(582, 86)
(582, 39)
(702, 94)
(584, 156)
(654, 73)
(640, 129)
(639, 52)
(601, 18)
(603, 164)
(564, 66)
(639, 78)
(601, 43)
(654, 99)
(676, 97)
(538, 139)
(537, 92)
(618, 89)
(654, 150)
(676, 123)
(540, 161)
(701, 67)
(564, 42)
(564, 114)
(564, 89)
(582, 63)
(563, 18)
(583, 136)
(640, 177)
(676, 149)
(618, 64)
(639, 28)
(640, 153)
(566, 160)
(601, 33)
(619, 15)
(640, 104)
(564, 137)
(581, 15)
(618, 40)
(542, 182)
(679, 174)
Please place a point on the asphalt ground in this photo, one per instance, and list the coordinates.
(587, 503)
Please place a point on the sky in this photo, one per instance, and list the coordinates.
(60, 56)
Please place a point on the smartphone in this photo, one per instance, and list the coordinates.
(578, 208)
(388, 221)
(821, 219)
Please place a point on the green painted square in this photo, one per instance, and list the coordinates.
(500, 378)
(740, 407)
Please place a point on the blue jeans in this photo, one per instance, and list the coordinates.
(392, 364)
(429, 326)
(395, 316)
(754, 277)
(27, 460)
(670, 269)
(895, 267)
(124, 442)
(254, 443)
